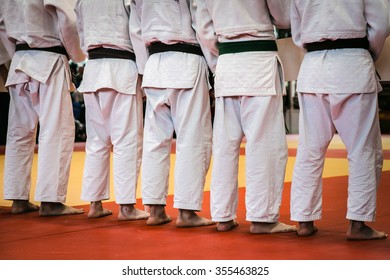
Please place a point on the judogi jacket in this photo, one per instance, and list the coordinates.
(340, 70)
(168, 22)
(222, 21)
(103, 23)
(56, 27)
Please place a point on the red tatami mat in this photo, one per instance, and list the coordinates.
(29, 236)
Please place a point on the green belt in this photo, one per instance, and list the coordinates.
(247, 46)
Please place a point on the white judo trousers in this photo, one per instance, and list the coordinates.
(355, 118)
(260, 119)
(114, 121)
(187, 112)
(49, 104)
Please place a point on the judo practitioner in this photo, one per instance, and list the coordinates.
(337, 90)
(177, 90)
(113, 101)
(39, 82)
(248, 90)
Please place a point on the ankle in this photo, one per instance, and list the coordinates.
(184, 213)
(96, 205)
(127, 207)
(356, 225)
(157, 210)
(19, 202)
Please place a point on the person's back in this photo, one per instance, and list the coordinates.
(23, 26)
(105, 25)
(167, 22)
(318, 21)
(54, 27)
(247, 20)
(331, 20)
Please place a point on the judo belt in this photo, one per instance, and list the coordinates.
(99, 53)
(159, 47)
(356, 43)
(247, 46)
(56, 49)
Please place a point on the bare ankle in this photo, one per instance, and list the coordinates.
(157, 210)
(158, 215)
(129, 208)
(186, 214)
(96, 205)
(20, 206)
(306, 228)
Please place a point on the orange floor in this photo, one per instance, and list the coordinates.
(30, 237)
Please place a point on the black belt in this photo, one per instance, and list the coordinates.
(247, 46)
(56, 49)
(99, 53)
(355, 43)
(159, 47)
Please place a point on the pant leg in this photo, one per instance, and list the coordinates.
(126, 126)
(227, 137)
(56, 137)
(356, 119)
(19, 154)
(266, 156)
(315, 133)
(96, 177)
(192, 120)
(158, 133)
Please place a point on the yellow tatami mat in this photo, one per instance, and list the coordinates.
(333, 167)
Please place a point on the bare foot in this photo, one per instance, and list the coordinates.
(278, 227)
(226, 226)
(360, 231)
(188, 218)
(58, 209)
(127, 212)
(97, 211)
(158, 216)
(23, 206)
(306, 229)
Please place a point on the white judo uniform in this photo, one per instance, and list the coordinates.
(338, 93)
(113, 101)
(248, 90)
(39, 83)
(177, 91)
